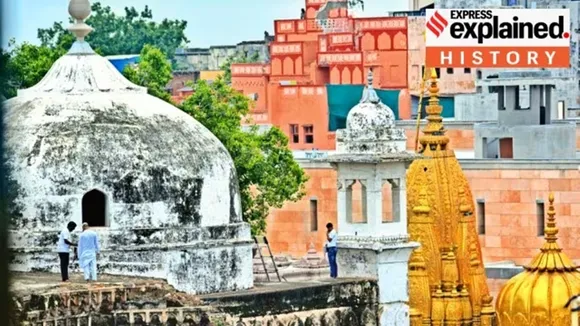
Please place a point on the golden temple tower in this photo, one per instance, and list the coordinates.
(538, 296)
(447, 280)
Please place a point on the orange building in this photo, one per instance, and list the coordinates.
(332, 48)
(309, 54)
(291, 92)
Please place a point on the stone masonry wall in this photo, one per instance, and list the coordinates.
(346, 303)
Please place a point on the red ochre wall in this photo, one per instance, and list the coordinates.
(302, 105)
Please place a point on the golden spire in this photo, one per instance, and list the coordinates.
(423, 207)
(551, 230)
(434, 131)
(463, 205)
(551, 257)
(466, 305)
(417, 261)
(473, 258)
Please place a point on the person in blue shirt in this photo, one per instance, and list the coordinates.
(331, 249)
(63, 248)
(88, 251)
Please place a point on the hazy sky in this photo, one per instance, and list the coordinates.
(210, 22)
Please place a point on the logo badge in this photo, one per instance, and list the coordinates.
(498, 38)
(437, 24)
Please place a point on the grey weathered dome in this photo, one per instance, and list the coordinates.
(84, 127)
(160, 190)
(370, 116)
(370, 127)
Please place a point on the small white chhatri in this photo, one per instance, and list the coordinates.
(371, 153)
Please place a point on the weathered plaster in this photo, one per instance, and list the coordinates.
(172, 198)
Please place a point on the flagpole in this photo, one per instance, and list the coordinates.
(421, 93)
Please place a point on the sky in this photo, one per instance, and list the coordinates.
(210, 22)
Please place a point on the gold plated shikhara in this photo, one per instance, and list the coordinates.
(538, 295)
(447, 281)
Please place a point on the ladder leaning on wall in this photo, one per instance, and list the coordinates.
(262, 243)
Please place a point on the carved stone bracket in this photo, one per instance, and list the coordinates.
(395, 183)
(344, 184)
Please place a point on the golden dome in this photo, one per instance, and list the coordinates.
(446, 276)
(538, 295)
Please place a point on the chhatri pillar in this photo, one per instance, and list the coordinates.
(372, 151)
(405, 110)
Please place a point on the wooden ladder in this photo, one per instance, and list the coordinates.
(261, 243)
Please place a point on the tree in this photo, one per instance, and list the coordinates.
(25, 65)
(153, 71)
(240, 57)
(115, 34)
(267, 172)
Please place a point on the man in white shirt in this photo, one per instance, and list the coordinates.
(88, 251)
(63, 249)
(331, 249)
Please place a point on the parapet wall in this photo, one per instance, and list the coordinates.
(194, 260)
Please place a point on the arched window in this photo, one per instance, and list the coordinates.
(94, 206)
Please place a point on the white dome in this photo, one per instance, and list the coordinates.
(85, 127)
(370, 116)
(370, 127)
(159, 189)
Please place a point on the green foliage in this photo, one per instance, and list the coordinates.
(242, 57)
(115, 34)
(153, 71)
(25, 65)
(268, 174)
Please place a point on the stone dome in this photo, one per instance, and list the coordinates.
(159, 189)
(85, 127)
(370, 116)
(370, 127)
(538, 295)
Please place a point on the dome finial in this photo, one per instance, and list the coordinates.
(370, 78)
(551, 230)
(80, 10)
(369, 94)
